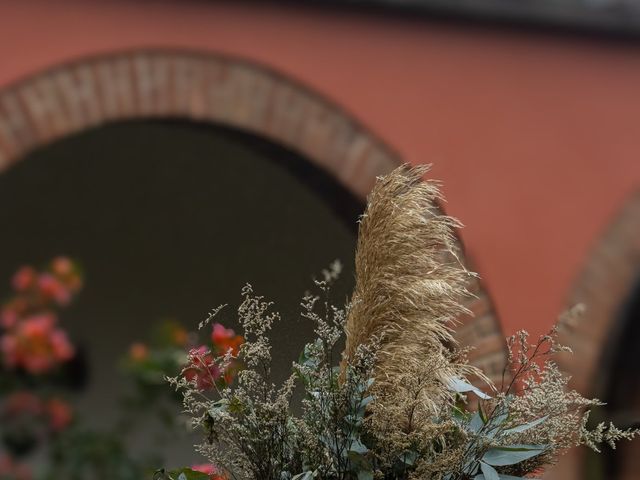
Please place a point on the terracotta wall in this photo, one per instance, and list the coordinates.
(535, 137)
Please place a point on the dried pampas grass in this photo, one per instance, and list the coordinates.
(409, 279)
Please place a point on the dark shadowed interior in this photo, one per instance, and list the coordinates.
(169, 219)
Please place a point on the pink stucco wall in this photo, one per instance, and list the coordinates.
(535, 137)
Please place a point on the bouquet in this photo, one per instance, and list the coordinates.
(384, 392)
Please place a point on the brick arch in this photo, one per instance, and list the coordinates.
(220, 90)
(199, 87)
(604, 287)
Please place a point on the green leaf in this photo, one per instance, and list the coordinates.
(366, 401)
(358, 447)
(476, 423)
(160, 475)
(499, 418)
(365, 475)
(526, 426)
(489, 472)
(501, 456)
(459, 414)
(303, 476)
(483, 414)
(355, 420)
(462, 386)
(503, 477)
(409, 457)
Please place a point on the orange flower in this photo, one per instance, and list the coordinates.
(66, 271)
(180, 336)
(225, 339)
(62, 266)
(138, 352)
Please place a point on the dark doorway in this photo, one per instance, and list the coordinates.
(169, 219)
(620, 389)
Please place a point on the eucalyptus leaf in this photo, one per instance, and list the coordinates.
(504, 477)
(410, 457)
(366, 401)
(365, 475)
(489, 472)
(526, 426)
(476, 423)
(501, 456)
(303, 476)
(461, 386)
(358, 447)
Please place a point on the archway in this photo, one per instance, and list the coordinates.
(604, 364)
(233, 93)
(198, 87)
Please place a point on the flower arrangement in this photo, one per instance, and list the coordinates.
(398, 401)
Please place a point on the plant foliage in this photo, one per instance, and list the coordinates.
(396, 404)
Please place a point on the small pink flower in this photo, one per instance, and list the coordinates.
(9, 347)
(24, 279)
(62, 348)
(38, 325)
(52, 289)
(36, 345)
(8, 317)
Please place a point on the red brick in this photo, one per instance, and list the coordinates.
(16, 132)
(288, 109)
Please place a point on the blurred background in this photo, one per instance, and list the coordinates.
(175, 150)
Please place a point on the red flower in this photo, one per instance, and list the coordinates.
(60, 414)
(225, 339)
(12, 311)
(211, 470)
(21, 402)
(202, 368)
(8, 317)
(36, 345)
(51, 288)
(12, 470)
(24, 279)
